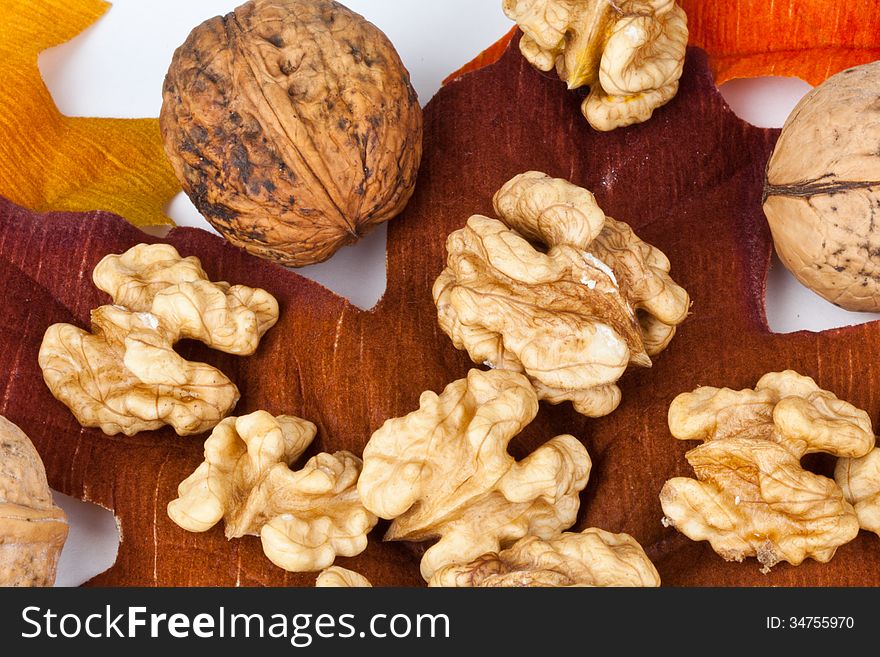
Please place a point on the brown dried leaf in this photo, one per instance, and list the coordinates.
(689, 181)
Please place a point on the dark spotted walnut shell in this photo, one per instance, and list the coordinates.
(293, 127)
(32, 528)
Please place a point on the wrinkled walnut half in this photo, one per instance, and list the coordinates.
(304, 518)
(751, 497)
(338, 577)
(32, 528)
(630, 52)
(444, 472)
(859, 478)
(593, 557)
(572, 319)
(125, 376)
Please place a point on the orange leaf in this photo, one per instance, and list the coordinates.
(51, 161)
(489, 56)
(808, 39)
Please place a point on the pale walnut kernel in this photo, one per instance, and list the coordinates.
(572, 319)
(752, 497)
(304, 518)
(630, 52)
(859, 478)
(338, 577)
(125, 376)
(444, 472)
(593, 557)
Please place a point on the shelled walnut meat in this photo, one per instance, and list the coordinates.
(630, 52)
(822, 191)
(304, 518)
(444, 472)
(572, 319)
(293, 127)
(125, 376)
(32, 528)
(593, 557)
(859, 478)
(752, 497)
(338, 577)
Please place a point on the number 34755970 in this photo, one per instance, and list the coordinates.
(810, 622)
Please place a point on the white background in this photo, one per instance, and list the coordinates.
(116, 67)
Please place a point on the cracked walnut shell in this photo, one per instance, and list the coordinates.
(125, 376)
(630, 52)
(593, 557)
(444, 472)
(292, 126)
(304, 518)
(572, 319)
(859, 478)
(32, 528)
(752, 497)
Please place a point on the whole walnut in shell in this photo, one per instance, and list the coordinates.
(822, 193)
(32, 528)
(293, 127)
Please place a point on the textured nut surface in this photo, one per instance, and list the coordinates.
(444, 472)
(630, 52)
(304, 518)
(32, 528)
(572, 319)
(822, 190)
(338, 577)
(593, 557)
(293, 127)
(125, 376)
(752, 497)
(859, 479)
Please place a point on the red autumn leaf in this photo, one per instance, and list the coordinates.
(689, 181)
